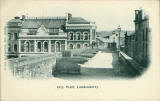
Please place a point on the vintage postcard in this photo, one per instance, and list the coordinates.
(80, 50)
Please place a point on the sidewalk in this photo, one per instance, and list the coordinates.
(100, 60)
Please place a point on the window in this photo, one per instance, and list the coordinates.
(45, 47)
(85, 45)
(85, 36)
(9, 36)
(71, 46)
(15, 36)
(27, 46)
(9, 47)
(15, 48)
(78, 36)
(39, 47)
(71, 36)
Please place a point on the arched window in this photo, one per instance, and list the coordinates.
(70, 35)
(85, 36)
(15, 36)
(78, 36)
(9, 47)
(15, 48)
(57, 47)
(27, 46)
(78, 46)
(86, 45)
(45, 46)
(39, 47)
(71, 46)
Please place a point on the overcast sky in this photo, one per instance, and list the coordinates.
(107, 14)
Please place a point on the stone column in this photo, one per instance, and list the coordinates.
(65, 44)
(19, 46)
(90, 35)
(35, 46)
(49, 46)
(41, 46)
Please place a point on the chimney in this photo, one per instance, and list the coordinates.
(16, 17)
(136, 15)
(23, 17)
(69, 16)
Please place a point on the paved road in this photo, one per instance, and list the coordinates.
(100, 60)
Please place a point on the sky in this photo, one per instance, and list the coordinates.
(107, 14)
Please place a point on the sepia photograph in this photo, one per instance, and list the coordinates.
(59, 47)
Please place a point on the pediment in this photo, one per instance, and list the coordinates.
(41, 30)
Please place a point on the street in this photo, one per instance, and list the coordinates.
(103, 65)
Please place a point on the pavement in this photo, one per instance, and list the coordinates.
(100, 60)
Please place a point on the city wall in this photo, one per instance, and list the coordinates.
(38, 66)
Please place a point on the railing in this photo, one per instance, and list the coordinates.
(36, 66)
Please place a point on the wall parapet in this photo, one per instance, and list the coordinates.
(37, 66)
(134, 67)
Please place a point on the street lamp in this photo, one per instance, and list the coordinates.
(119, 31)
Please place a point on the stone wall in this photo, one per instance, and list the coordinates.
(132, 66)
(38, 66)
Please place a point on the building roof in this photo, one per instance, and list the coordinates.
(14, 20)
(48, 23)
(77, 20)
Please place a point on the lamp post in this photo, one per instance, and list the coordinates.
(119, 31)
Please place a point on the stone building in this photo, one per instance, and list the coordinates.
(137, 43)
(142, 36)
(37, 35)
(130, 44)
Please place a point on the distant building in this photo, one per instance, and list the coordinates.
(114, 39)
(142, 33)
(102, 42)
(37, 35)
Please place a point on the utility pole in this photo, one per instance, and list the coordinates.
(119, 47)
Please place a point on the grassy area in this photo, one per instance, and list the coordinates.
(68, 65)
(87, 53)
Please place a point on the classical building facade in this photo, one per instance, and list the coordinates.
(37, 35)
